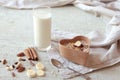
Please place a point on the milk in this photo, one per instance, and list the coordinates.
(42, 30)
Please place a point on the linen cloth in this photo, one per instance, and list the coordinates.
(28, 4)
(104, 50)
(99, 7)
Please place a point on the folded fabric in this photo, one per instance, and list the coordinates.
(102, 7)
(28, 4)
(104, 51)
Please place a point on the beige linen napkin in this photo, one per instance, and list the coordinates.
(104, 51)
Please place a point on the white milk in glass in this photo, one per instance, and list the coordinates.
(42, 29)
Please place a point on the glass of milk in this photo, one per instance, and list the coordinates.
(42, 28)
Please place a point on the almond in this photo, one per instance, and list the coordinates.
(21, 54)
(4, 61)
(21, 69)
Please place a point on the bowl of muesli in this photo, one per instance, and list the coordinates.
(76, 49)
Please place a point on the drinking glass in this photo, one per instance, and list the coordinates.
(42, 28)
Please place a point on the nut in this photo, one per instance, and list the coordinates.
(4, 61)
(21, 54)
(13, 66)
(9, 68)
(16, 63)
(21, 59)
(19, 64)
(21, 69)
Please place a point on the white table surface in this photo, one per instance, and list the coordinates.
(16, 34)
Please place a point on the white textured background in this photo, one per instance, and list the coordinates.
(16, 34)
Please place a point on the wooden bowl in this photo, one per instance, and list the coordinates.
(75, 56)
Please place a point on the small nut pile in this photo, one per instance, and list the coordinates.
(18, 66)
(31, 56)
(78, 45)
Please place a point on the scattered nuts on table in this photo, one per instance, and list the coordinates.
(18, 66)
